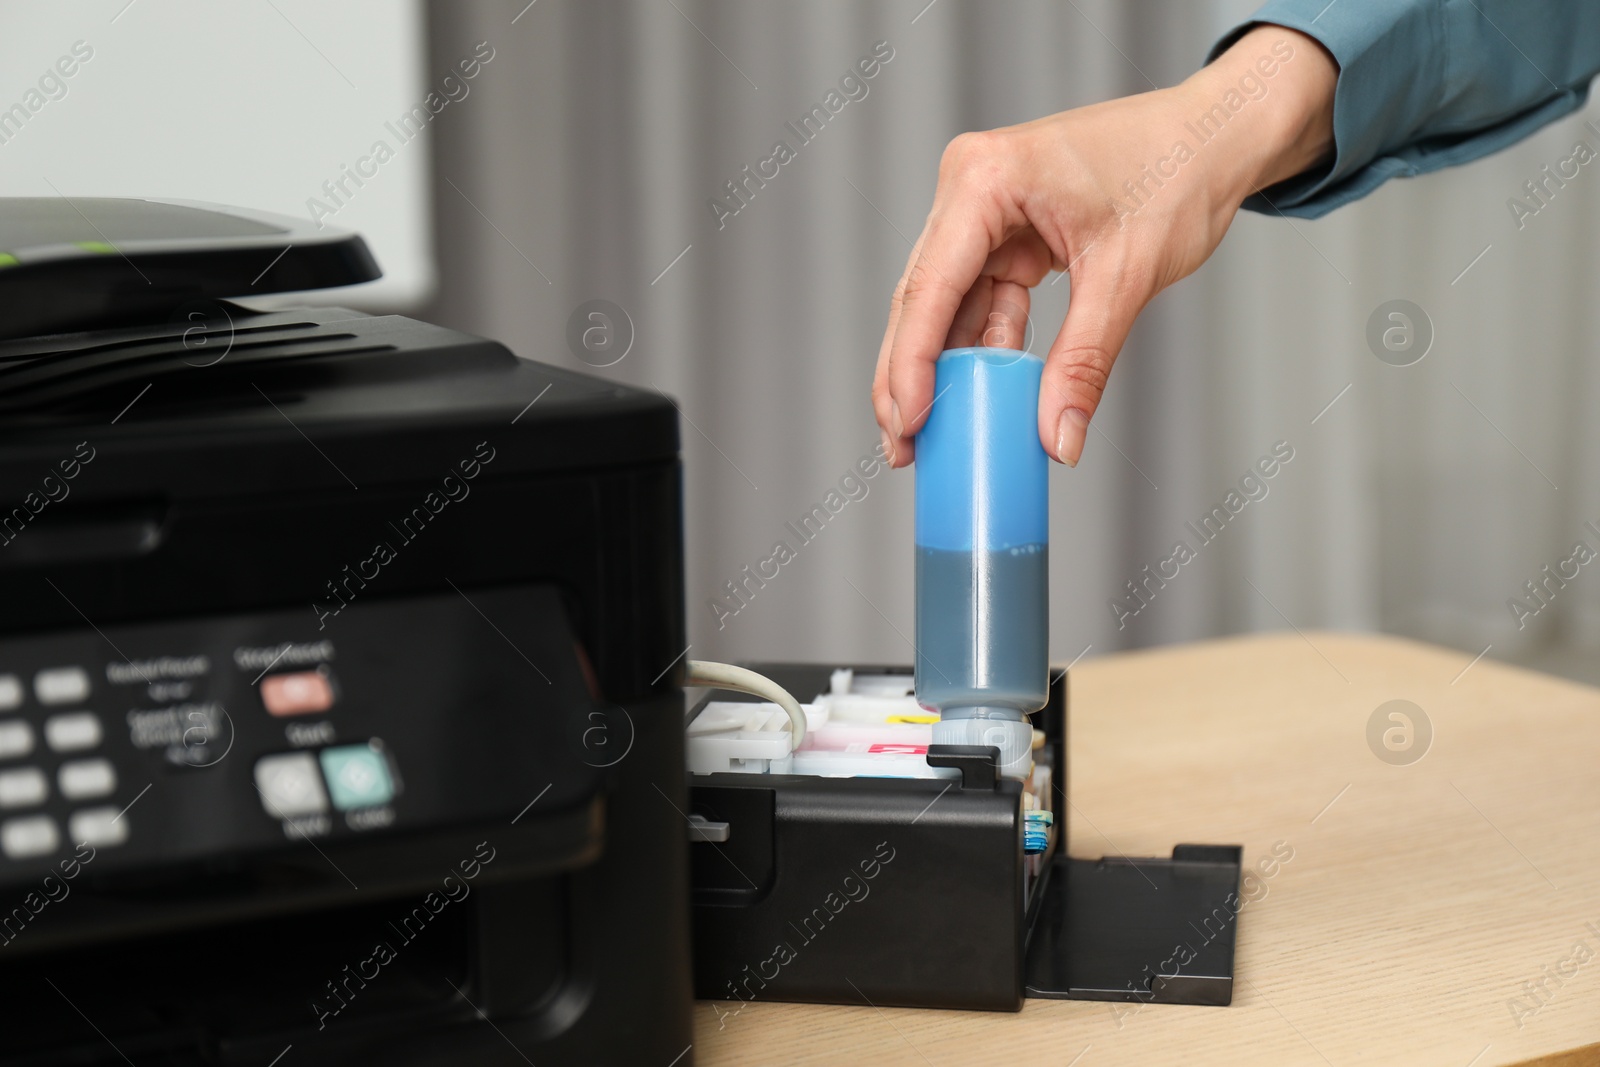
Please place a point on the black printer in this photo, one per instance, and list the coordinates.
(340, 717)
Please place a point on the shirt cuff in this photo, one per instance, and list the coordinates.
(1391, 70)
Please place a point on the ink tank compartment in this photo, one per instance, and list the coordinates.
(875, 865)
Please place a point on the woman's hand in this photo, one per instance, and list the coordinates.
(1126, 196)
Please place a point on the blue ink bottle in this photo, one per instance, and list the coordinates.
(982, 540)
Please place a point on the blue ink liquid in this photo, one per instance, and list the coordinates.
(981, 636)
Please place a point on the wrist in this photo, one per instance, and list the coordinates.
(1263, 109)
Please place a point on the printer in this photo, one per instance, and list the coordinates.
(340, 663)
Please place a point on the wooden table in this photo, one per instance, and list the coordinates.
(1420, 898)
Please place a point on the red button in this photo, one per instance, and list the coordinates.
(301, 693)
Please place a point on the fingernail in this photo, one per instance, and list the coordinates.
(888, 446)
(894, 419)
(1070, 432)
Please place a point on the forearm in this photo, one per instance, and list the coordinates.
(1267, 104)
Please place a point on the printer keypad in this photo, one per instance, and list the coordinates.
(358, 775)
(86, 779)
(29, 836)
(73, 731)
(296, 693)
(98, 827)
(61, 685)
(16, 739)
(290, 785)
(84, 732)
(65, 731)
(23, 787)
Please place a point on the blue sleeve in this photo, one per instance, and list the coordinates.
(1425, 84)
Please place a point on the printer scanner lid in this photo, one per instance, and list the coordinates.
(138, 348)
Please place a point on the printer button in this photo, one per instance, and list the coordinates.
(358, 776)
(86, 778)
(23, 788)
(72, 731)
(290, 785)
(61, 685)
(98, 827)
(299, 693)
(16, 739)
(32, 835)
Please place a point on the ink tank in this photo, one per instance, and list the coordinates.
(982, 532)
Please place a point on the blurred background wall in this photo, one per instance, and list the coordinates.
(582, 167)
(1418, 503)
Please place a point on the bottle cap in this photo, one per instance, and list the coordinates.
(1014, 739)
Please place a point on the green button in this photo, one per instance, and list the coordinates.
(358, 776)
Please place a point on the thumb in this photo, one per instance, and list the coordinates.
(1099, 316)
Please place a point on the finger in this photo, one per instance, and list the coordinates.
(880, 385)
(897, 451)
(955, 246)
(972, 317)
(892, 452)
(1007, 323)
(1024, 257)
(1099, 316)
(1019, 264)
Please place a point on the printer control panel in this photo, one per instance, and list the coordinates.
(204, 739)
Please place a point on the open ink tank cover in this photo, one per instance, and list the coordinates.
(982, 531)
